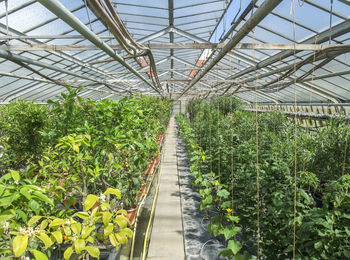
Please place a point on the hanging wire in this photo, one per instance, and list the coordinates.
(330, 22)
(295, 138)
(7, 17)
(88, 15)
(218, 141)
(232, 174)
(210, 150)
(346, 148)
(312, 78)
(257, 147)
(232, 139)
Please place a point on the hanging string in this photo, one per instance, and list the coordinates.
(232, 175)
(200, 123)
(257, 148)
(295, 139)
(210, 150)
(312, 79)
(330, 23)
(232, 139)
(346, 148)
(7, 16)
(88, 14)
(218, 141)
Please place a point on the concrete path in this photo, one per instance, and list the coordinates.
(167, 233)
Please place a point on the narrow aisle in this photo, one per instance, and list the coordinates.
(167, 234)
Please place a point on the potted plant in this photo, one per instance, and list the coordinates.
(85, 234)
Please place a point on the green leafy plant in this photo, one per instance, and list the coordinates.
(21, 124)
(83, 234)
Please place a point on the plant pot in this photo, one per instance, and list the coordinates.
(160, 139)
(131, 215)
(107, 253)
(157, 159)
(143, 189)
(112, 254)
(142, 192)
(150, 168)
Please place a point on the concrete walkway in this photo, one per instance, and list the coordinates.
(167, 233)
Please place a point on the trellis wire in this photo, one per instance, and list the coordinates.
(232, 139)
(257, 148)
(88, 15)
(295, 137)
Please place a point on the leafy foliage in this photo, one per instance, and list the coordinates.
(232, 140)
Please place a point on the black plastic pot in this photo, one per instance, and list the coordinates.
(109, 253)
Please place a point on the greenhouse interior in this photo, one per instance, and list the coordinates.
(173, 129)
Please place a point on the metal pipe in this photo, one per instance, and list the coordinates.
(305, 115)
(15, 58)
(59, 36)
(62, 55)
(166, 46)
(337, 30)
(259, 15)
(62, 12)
(309, 104)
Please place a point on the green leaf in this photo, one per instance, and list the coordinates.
(33, 220)
(91, 239)
(113, 240)
(90, 201)
(234, 246)
(105, 206)
(108, 229)
(106, 217)
(230, 232)
(15, 175)
(246, 256)
(19, 245)
(318, 245)
(223, 193)
(82, 215)
(25, 192)
(115, 192)
(76, 228)
(58, 236)
(22, 214)
(39, 255)
(122, 221)
(68, 253)
(46, 239)
(93, 251)
(44, 224)
(4, 218)
(87, 231)
(121, 238)
(57, 222)
(122, 211)
(75, 148)
(35, 206)
(128, 232)
(79, 245)
(43, 198)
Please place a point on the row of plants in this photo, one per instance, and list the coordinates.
(231, 151)
(71, 170)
